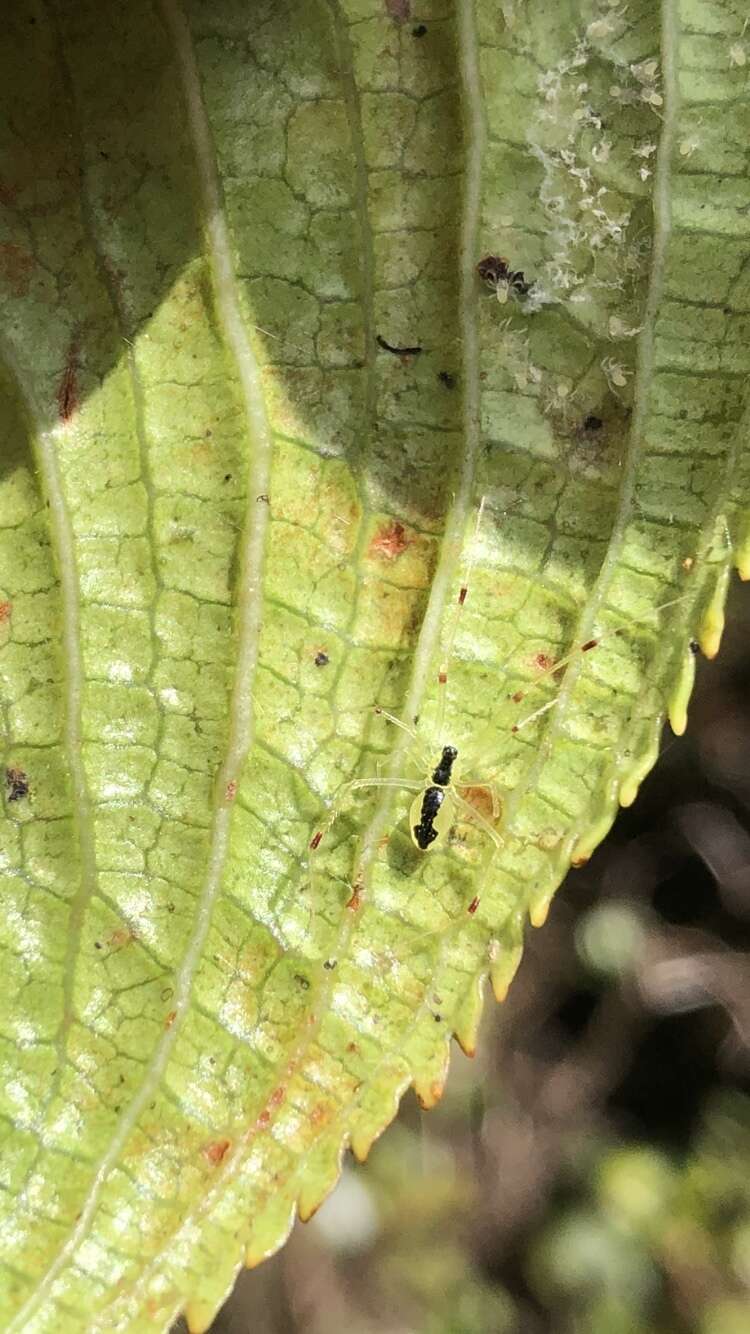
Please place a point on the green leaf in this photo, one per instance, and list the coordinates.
(234, 521)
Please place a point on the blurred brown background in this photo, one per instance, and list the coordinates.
(589, 1171)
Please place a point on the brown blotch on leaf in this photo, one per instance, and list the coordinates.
(17, 784)
(230, 791)
(354, 901)
(5, 610)
(170, 1018)
(390, 541)
(479, 796)
(124, 935)
(15, 268)
(215, 1152)
(400, 10)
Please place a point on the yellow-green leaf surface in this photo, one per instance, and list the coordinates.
(233, 522)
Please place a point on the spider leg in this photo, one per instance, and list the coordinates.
(424, 758)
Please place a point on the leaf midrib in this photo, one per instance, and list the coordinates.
(430, 631)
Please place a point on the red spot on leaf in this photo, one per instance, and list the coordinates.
(216, 1152)
(264, 1118)
(170, 1018)
(230, 791)
(544, 662)
(390, 541)
(354, 901)
(5, 610)
(473, 906)
(277, 1097)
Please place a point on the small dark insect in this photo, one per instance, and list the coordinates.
(695, 647)
(330, 964)
(424, 831)
(592, 423)
(397, 351)
(321, 659)
(302, 981)
(495, 271)
(420, 30)
(17, 784)
(266, 499)
(447, 379)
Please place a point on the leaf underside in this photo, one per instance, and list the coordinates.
(232, 522)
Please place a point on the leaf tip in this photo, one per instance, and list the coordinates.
(197, 1318)
(683, 688)
(742, 560)
(712, 624)
(592, 838)
(539, 911)
(469, 1016)
(634, 776)
(429, 1093)
(503, 969)
(360, 1143)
